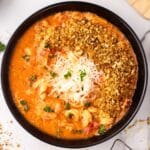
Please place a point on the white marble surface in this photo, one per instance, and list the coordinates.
(13, 12)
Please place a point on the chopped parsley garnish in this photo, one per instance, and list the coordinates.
(67, 106)
(82, 88)
(53, 74)
(82, 74)
(87, 104)
(47, 109)
(101, 129)
(2, 46)
(23, 102)
(70, 115)
(32, 79)
(26, 57)
(47, 45)
(67, 75)
(25, 105)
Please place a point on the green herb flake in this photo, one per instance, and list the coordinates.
(67, 106)
(25, 105)
(23, 102)
(26, 57)
(32, 79)
(87, 104)
(53, 74)
(67, 75)
(82, 88)
(101, 129)
(2, 46)
(82, 74)
(47, 109)
(70, 115)
(47, 45)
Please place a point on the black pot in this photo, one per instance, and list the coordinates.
(141, 83)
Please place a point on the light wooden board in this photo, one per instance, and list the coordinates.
(142, 6)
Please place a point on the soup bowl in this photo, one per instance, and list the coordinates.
(141, 82)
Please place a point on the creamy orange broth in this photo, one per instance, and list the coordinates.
(98, 111)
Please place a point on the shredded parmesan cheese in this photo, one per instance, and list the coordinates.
(73, 88)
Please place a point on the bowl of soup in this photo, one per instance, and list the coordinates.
(74, 74)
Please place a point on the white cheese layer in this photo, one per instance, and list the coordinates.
(74, 87)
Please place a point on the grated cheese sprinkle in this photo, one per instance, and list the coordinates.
(73, 88)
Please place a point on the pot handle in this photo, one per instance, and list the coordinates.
(122, 142)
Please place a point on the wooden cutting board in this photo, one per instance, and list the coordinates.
(142, 6)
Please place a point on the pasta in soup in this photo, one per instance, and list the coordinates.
(73, 75)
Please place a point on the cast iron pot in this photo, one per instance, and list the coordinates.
(141, 83)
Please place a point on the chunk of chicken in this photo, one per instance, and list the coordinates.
(105, 119)
(92, 109)
(27, 51)
(42, 85)
(86, 118)
(58, 108)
